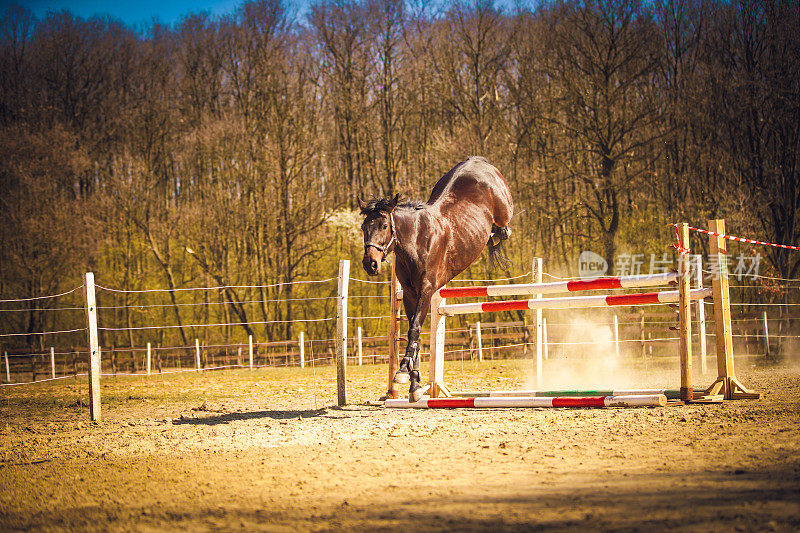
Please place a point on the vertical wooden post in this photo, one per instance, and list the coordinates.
(53, 362)
(302, 343)
(436, 363)
(341, 332)
(197, 354)
(148, 359)
(479, 339)
(8, 370)
(766, 336)
(395, 297)
(726, 382)
(537, 278)
(360, 352)
(641, 334)
(250, 349)
(94, 348)
(544, 338)
(701, 316)
(685, 315)
(616, 335)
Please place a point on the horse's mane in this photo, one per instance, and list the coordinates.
(377, 205)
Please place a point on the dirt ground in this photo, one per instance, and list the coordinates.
(264, 450)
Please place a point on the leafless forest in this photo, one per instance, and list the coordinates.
(229, 151)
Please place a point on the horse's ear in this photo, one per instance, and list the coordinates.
(361, 203)
(394, 201)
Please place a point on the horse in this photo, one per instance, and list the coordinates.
(469, 209)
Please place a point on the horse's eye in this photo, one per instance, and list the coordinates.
(385, 226)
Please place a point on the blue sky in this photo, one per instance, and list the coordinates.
(130, 12)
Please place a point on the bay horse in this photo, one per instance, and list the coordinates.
(469, 209)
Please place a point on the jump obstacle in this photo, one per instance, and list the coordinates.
(726, 385)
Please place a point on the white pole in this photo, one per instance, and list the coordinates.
(480, 340)
(359, 346)
(544, 337)
(197, 354)
(301, 342)
(437, 338)
(766, 336)
(616, 336)
(94, 348)
(701, 315)
(52, 362)
(8, 372)
(341, 332)
(148, 359)
(537, 278)
(250, 349)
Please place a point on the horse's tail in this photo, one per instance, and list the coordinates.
(497, 253)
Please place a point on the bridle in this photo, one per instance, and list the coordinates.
(384, 249)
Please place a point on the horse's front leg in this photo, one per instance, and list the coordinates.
(403, 374)
(413, 347)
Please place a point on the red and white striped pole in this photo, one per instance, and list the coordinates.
(623, 282)
(648, 400)
(570, 302)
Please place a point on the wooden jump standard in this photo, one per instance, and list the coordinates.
(726, 384)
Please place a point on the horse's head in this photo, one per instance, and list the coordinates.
(379, 232)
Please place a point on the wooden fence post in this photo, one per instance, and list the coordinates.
(544, 339)
(537, 278)
(341, 332)
(94, 348)
(766, 336)
(479, 339)
(197, 354)
(52, 363)
(685, 315)
(393, 390)
(359, 346)
(8, 371)
(641, 334)
(701, 316)
(616, 335)
(301, 341)
(147, 360)
(250, 349)
(726, 382)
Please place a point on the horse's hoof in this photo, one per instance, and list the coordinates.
(401, 378)
(415, 395)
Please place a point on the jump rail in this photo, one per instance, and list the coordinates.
(622, 282)
(644, 400)
(643, 298)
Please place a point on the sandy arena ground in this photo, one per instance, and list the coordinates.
(264, 450)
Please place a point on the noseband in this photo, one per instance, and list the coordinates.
(384, 249)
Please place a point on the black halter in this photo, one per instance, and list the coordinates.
(384, 249)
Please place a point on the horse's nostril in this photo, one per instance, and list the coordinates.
(374, 265)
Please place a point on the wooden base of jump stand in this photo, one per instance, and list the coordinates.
(731, 389)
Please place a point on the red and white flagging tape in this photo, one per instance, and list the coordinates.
(742, 239)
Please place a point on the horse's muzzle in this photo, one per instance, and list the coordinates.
(371, 265)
